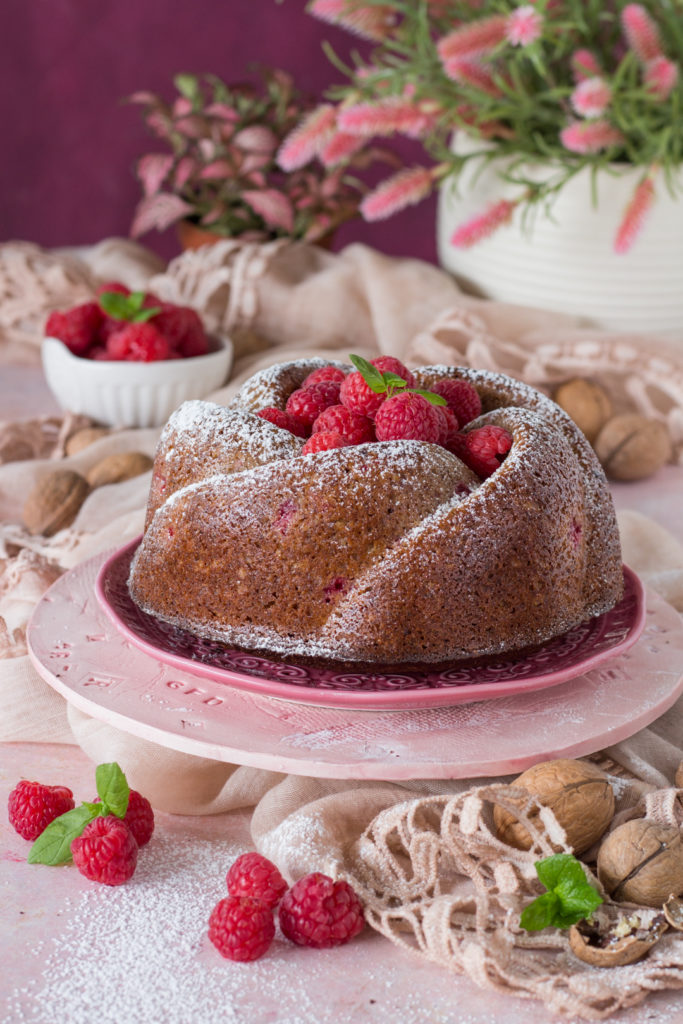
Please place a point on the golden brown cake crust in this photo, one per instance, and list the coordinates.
(385, 553)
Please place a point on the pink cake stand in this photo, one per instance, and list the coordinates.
(79, 650)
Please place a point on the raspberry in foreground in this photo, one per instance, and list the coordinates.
(241, 928)
(77, 328)
(307, 403)
(139, 817)
(463, 399)
(106, 851)
(282, 419)
(255, 876)
(482, 450)
(409, 417)
(356, 428)
(359, 397)
(324, 441)
(33, 806)
(320, 913)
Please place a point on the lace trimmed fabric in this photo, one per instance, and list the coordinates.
(435, 879)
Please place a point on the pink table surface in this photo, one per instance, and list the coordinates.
(71, 950)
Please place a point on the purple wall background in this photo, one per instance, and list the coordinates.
(70, 143)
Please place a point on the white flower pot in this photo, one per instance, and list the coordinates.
(565, 260)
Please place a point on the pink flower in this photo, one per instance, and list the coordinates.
(661, 75)
(590, 136)
(641, 32)
(591, 97)
(384, 118)
(483, 224)
(473, 39)
(634, 215)
(470, 72)
(340, 147)
(406, 188)
(524, 26)
(584, 65)
(373, 22)
(308, 138)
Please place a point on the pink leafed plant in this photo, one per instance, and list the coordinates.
(484, 224)
(635, 214)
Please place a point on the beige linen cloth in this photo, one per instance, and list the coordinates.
(422, 854)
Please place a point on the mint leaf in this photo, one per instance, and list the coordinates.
(116, 305)
(112, 789)
(430, 396)
(53, 845)
(392, 381)
(570, 896)
(370, 374)
(145, 314)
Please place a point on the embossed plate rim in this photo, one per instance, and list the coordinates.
(406, 698)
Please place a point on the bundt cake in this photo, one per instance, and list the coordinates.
(381, 553)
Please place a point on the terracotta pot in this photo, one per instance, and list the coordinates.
(191, 236)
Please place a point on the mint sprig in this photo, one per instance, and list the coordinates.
(53, 845)
(569, 898)
(127, 307)
(386, 382)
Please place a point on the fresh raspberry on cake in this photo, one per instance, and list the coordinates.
(359, 397)
(408, 416)
(324, 373)
(33, 806)
(462, 398)
(256, 876)
(323, 441)
(451, 424)
(77, 328)
(106, 851)
(483, 449)
(356, 428)
(307, 403)
(320, 913)
(182, 328)
(388, 364)
(282, 419)
(138, 343)
(241, 928)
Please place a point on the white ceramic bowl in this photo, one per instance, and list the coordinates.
(132, 394)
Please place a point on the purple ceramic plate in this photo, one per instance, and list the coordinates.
(565, 657)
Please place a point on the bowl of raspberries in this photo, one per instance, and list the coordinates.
(128, 359)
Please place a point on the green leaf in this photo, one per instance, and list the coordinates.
(112, 789)
(393, 381)
(370, 374)
(570, 897)
(187, 86)
(143, 315)
(430, 396)
(541, 913)
(118, 306)
(53, 845)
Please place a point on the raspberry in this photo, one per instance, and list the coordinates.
(307, 403)
(138, 343)
(358, 397)
(139, 817)
(241, 928)
(482, 449)
(77, 328)
(451, 420)
(106, 851)
(387, 364)
(182, 329)
(324, 373)
(113, 286)
(284, 420)
(255, 876)
(357, 429)
(321, 913)
(411, 417)
(33, 806)
(323, 441)
(462, 398)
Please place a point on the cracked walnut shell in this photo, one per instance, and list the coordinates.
(579, 795)
(642, 862)
(632, 447)
(612, 939)
(54, 502)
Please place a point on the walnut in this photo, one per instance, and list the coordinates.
(678, 778)
(631, 447)
(613, 938)
(113, 469)
(579, 795)
(673, 912)
(587, 403)
(55, 501)
(83, 438)
(642, 862)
